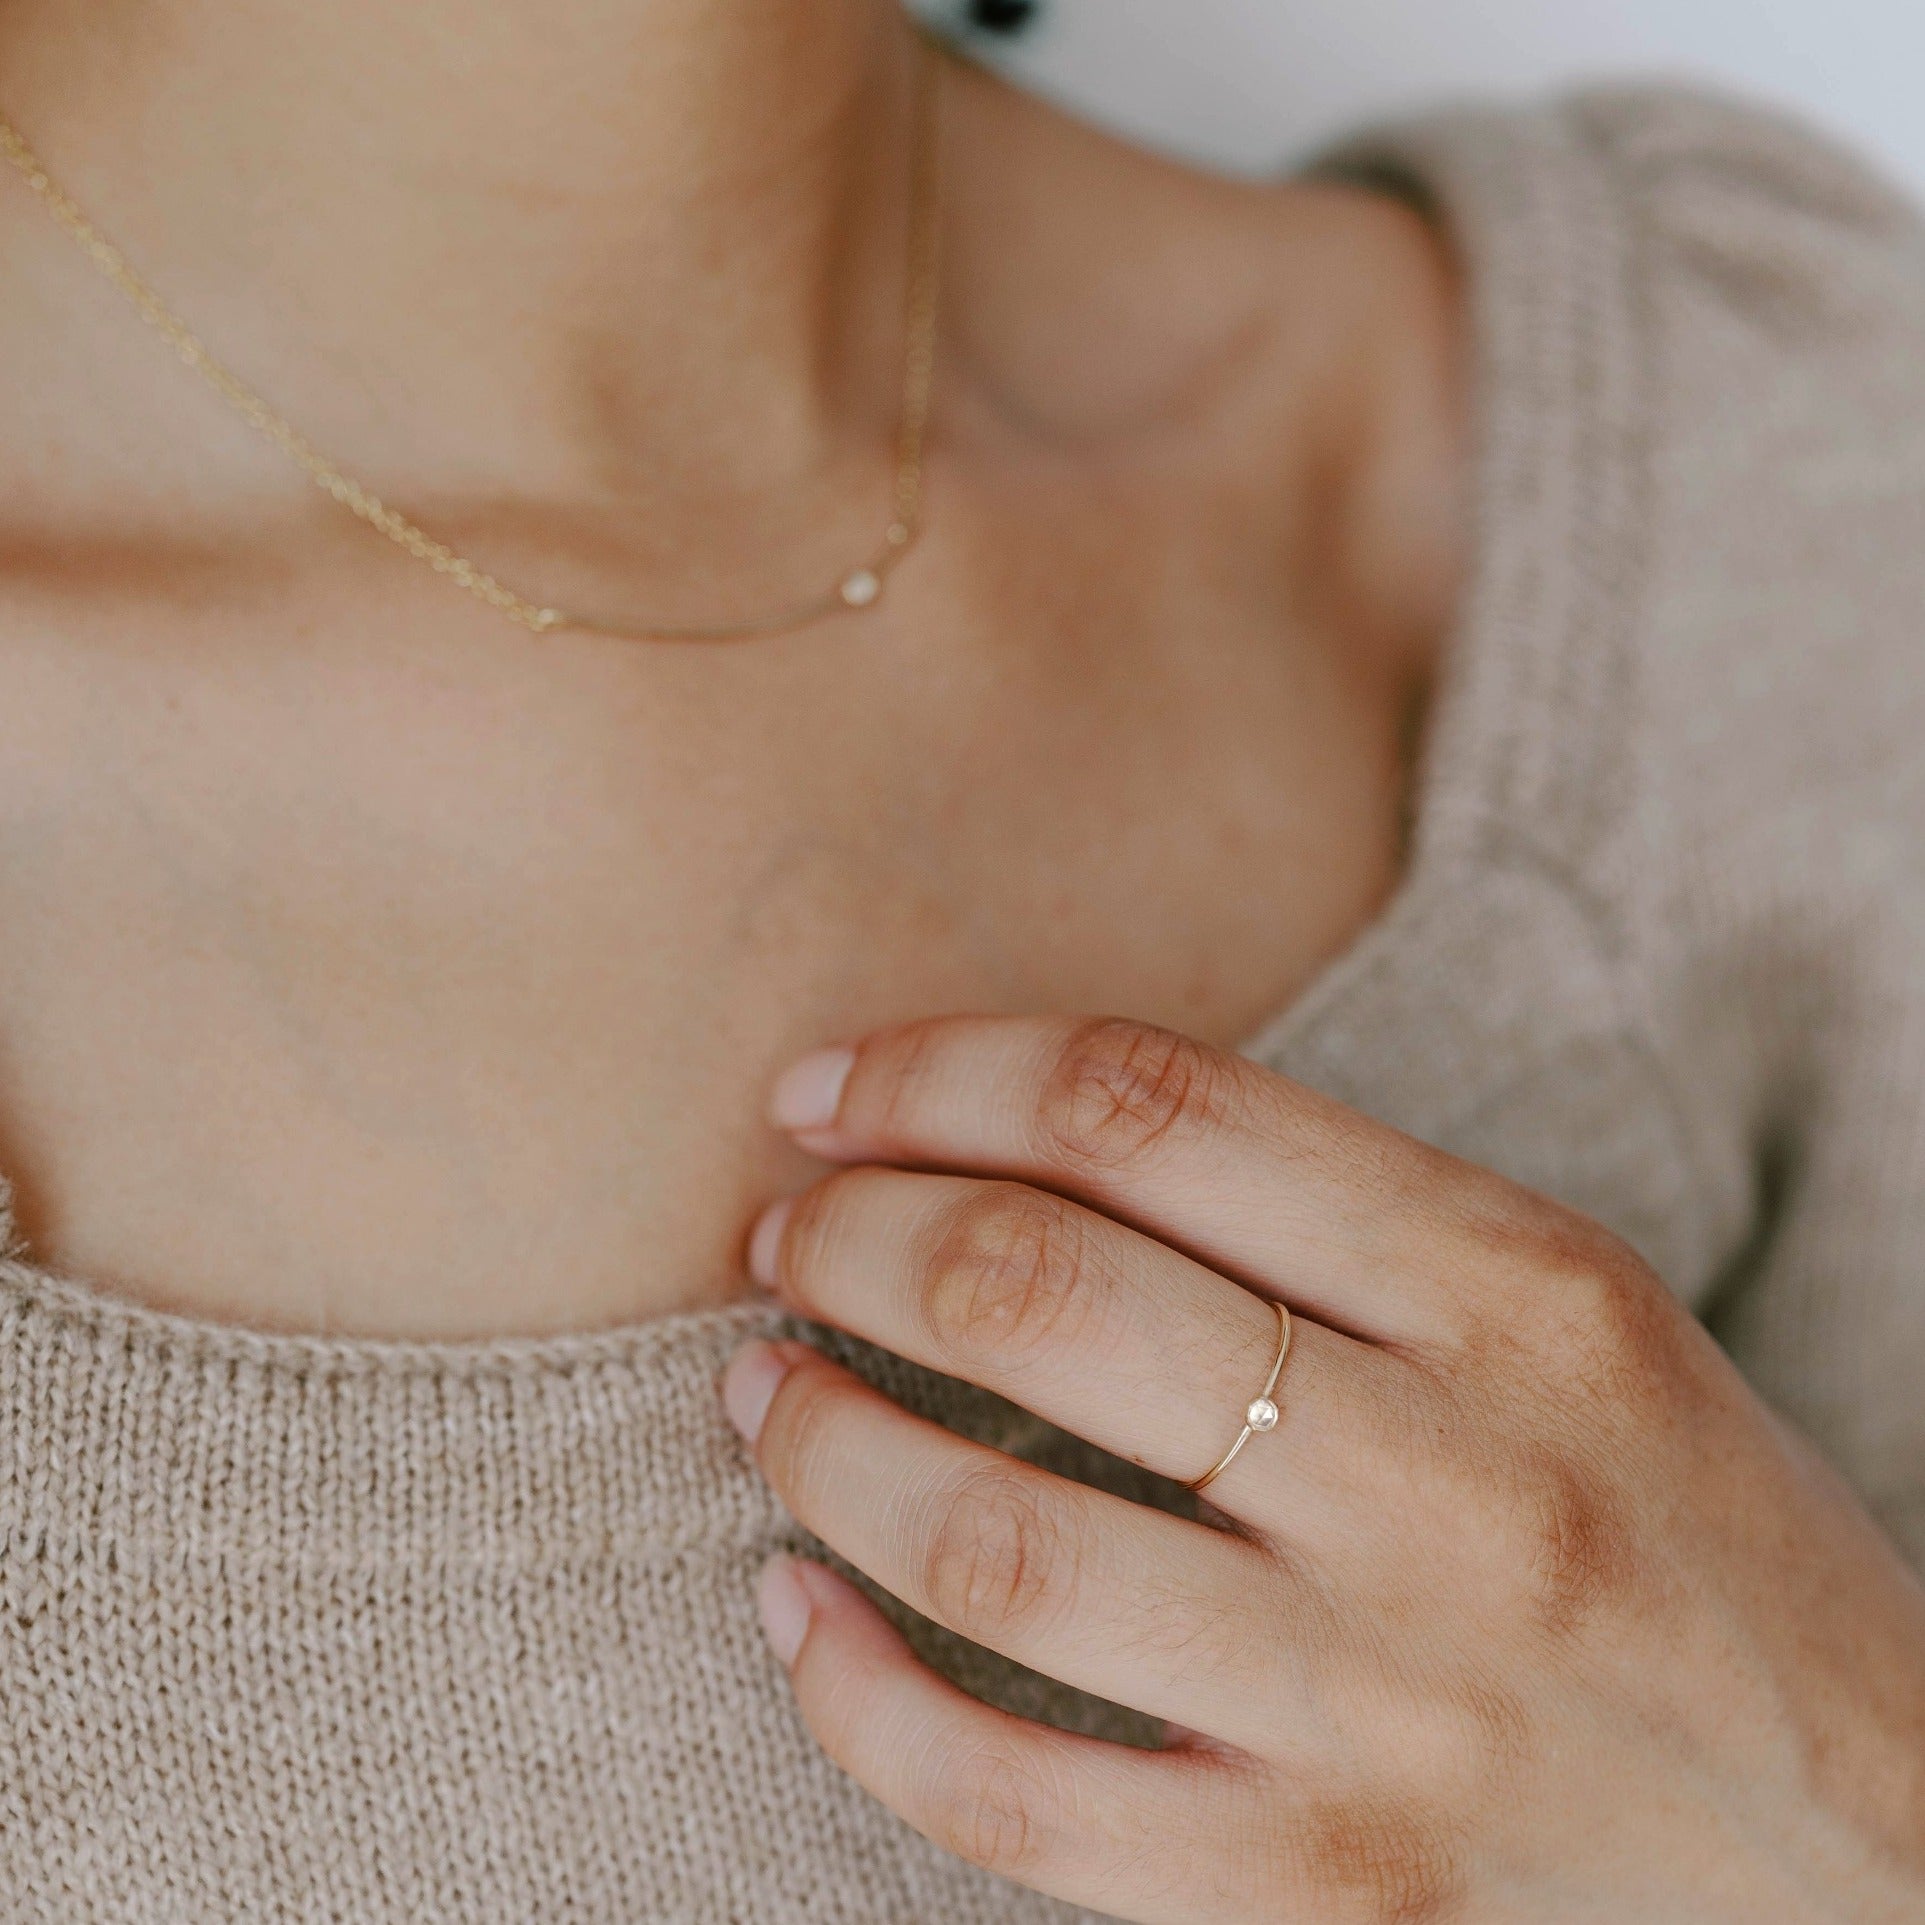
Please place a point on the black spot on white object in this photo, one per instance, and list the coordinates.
(1002, 16)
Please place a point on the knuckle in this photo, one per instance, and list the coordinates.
(1617, 1327)
(897, 1072)
(1580, 1549)
(1549, 1533)
(1546, 1534)
(1119, 1088)
(1578, 1254)
(1580, 1300)
(995, 1811)
(1382, 1862)
(1000, 1559)
(1008, 1275)
(1459, 1743)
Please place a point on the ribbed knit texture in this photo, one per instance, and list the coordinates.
(306, 1630)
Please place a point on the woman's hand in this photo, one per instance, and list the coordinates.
(1526, 1610)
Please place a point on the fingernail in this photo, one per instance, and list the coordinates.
(765, 1241)
(783, 1606)
(749, 1386)
(808, 1093)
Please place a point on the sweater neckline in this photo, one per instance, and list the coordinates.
(1530, 218)
(1519, 755)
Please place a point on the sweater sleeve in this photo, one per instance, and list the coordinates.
(1780, 852)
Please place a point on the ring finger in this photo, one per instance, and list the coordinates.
(1129, 1603)
(1095, 1328)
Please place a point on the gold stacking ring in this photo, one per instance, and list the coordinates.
(1262, 1413)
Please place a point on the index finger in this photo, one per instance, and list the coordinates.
(1261, 1178)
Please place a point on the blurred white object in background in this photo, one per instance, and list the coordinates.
(1247, 83)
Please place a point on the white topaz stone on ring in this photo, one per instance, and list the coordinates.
(1262, 1415)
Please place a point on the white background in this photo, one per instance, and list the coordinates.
(1250, 82)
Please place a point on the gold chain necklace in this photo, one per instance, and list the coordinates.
(860, 589)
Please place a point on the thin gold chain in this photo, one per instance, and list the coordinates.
(859, 589)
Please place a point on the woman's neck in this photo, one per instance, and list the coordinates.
(570, 246)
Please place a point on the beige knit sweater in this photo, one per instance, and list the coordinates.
(362, 1632)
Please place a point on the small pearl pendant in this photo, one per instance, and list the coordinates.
(862, 588)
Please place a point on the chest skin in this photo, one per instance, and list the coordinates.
(381, 970)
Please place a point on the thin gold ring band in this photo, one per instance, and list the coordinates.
(1262, 1413)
